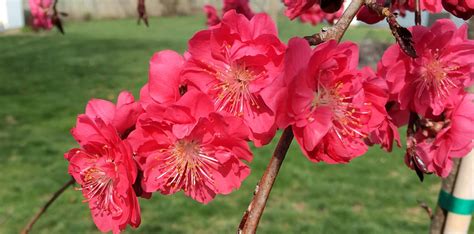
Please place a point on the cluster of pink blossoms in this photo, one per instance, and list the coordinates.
(190, 129)
(104, 165)
(41, 12)
(334, 108)
(238, 83)
(432, 87)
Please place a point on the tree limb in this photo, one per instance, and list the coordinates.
(417, 12)
(251, 218)
(337, 31)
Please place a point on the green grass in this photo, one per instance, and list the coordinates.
(46, 80)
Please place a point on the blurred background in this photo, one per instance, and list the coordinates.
(47, 78)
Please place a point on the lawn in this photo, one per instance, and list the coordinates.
(46, 80)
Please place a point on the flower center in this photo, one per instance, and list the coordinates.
(434, 71)
(434, 79)
(100, 187)
(324, 97)
(186, 164)
(233, 89)
(347, 117)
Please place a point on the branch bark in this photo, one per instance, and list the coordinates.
(417, 12)
(43, 209)
(251, 217)
(401, 34)
(337, 31)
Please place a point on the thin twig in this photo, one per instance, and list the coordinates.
(427, 208)
(401, 34)
(252, 216)
(56, 19)
(417, 12)
(337, 31)
(141, 8)
(43, 209)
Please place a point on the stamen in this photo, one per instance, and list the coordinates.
(186, 165)
(233, 89)
(347, 117)
(434, 79)
(99, 186)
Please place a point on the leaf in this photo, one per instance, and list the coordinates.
(419, 173)
(403, 37)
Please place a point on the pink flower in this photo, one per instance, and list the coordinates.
(240, 6)
(433, 6)
(211, 15)
(368, 16)
(41, 13)
(315, 15)
(434, 152)
(236, 63)
(122, 117)
(295, 8)
(105, 170)
(186, 146)
(461, 8)
(328, 107)
(382, 127)
(430, 83)
(165, 81)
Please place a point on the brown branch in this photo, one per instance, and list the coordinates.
(55, 18)
(439, 218)
(337, 31)
(417, 12)
(427, 208)
(141, 8)
(401, 34)
(252, 216)
(43, 209)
